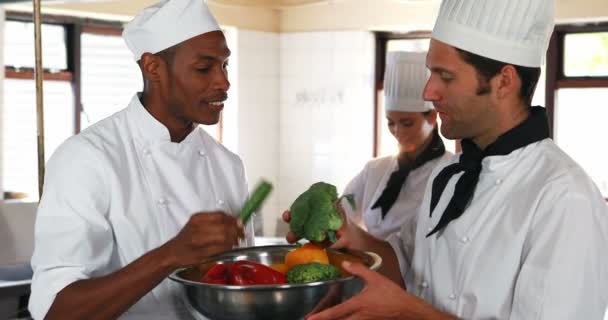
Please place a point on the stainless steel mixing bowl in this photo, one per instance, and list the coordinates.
(270, 302)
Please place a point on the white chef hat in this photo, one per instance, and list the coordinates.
(166, 24)
(404, 80)
(511, 31)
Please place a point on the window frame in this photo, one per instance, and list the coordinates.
(382, 39)
(74, 27)
(555, 77)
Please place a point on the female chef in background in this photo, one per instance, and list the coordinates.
(389, 189)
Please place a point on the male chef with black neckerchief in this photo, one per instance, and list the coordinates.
(511, 228)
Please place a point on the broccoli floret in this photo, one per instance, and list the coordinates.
(313, 214)
(312, 272)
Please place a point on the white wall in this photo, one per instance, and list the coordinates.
(303, 113)
(257, 90)
(326, 112)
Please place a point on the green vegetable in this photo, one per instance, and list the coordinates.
(312, 272)
(256, 199)
(314, 215)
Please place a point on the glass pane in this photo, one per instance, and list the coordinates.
(110, 77)
(415, 45)
(19, 46)
(580, 130)
(19, 138)
(586, 54)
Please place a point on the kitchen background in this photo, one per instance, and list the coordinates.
(305, 103)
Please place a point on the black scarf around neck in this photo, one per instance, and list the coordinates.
(533, 129)
(435, 149)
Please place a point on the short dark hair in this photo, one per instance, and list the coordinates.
(487, 68)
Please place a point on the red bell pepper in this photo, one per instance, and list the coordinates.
(218, 274)
(243, 273)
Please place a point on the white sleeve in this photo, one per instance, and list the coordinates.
(356, 187)
(73, 238)
(564, 268)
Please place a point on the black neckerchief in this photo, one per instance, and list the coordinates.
(435, 149)
(533, 129)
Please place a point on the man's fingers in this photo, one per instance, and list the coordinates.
(291, 237)
(286, 216)
(212, 239)
(331, 298)
(361, 271)
(211, 251)
(240, 235)
(341, 243)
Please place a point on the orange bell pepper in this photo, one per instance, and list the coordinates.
(306, 254)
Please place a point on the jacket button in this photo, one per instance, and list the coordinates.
(424, 284)
(220, 202)
(162, 201)
(464, 239)
(146, 152)
(201, 153)
(452, 297)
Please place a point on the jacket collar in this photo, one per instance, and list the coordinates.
(150, 131)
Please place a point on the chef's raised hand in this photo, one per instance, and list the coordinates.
(206, 234)
(292, 238)
(347, 232)
(380, 298)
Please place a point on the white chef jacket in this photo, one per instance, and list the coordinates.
(120, 189)
(531, 245)
(368, 185)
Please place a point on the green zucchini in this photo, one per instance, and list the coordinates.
(253, 203)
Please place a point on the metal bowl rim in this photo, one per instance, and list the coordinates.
(377, 262)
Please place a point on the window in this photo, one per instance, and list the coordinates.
(19, 138)
(586, 54)
(577, 88)
(86, 63)
(109, 77)
(580, 130)
(19, 45)
(417, 42)
(386, 144)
